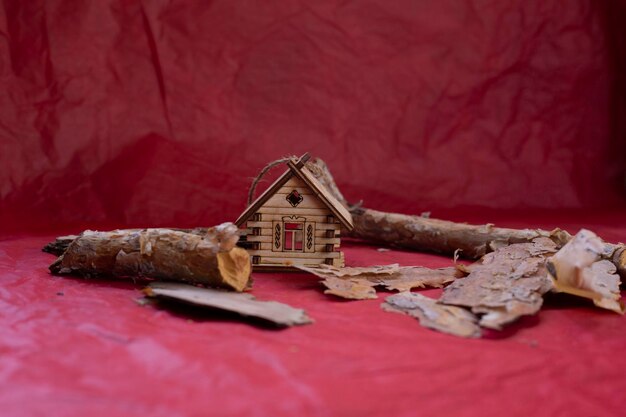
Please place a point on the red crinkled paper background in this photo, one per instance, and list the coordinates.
(153, 113)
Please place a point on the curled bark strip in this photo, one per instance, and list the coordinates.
(210, 259)
(579, 269)
(446, 319)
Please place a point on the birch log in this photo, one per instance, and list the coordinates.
(211, 259)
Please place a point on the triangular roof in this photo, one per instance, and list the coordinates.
(298, 169)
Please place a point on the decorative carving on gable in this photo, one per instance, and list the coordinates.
(294, 198)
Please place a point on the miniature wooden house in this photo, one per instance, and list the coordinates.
(296, 221)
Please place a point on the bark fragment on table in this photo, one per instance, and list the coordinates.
(504, 284)
(324, 270)
(453, 320)
(359, 283)
(348, 288)
(580, 269)
(211, 259)
(353, 283)
(409, 277)
(243, 304)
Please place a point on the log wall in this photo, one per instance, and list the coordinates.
(258, 234)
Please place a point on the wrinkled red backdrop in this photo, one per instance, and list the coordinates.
(159, 112)
(148, 113)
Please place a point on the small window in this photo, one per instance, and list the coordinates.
(293, 237)
(294, 198)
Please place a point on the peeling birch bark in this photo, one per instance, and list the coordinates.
(244, 304)
(211, 259)
(358, 283)
(504, 284)
(446, 319)
(579, 269)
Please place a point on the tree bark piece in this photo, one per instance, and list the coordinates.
(358, 283)
(441, 236)
(244, 304)
(505, 284)
(350, 288)
(579, 269)
(447, 319)
(211, 259)
(353, 283)
(617, 255)
(61, 243)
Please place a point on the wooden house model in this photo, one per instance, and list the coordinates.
(296, 221)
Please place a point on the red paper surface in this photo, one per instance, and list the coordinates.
(158, 113)
(75, 347)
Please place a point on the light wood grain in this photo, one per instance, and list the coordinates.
(309, 217)
(328, 241)
(295, 182)
(293, 211)
(285, 191)
(333, 204)
(318, 226)
(308, 201)
(291, 261)
(319, 233)
(291, 255)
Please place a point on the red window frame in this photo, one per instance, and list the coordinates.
(293, 237)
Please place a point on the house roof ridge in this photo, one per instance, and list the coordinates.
(298, 168)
